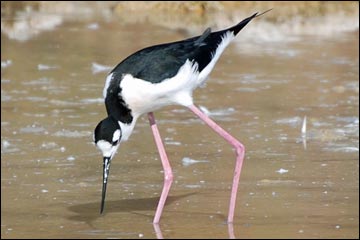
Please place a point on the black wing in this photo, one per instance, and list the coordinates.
(163, 61)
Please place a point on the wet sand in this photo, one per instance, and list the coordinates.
(292, 185)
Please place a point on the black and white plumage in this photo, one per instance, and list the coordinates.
(155, 77)
(163, 74)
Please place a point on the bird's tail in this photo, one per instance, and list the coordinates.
(235, 29)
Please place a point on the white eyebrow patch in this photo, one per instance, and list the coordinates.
(116, 136)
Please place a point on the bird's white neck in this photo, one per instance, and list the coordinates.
(126, 129)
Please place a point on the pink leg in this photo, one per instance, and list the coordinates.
(158, 232)
(240, 152)
(168, 175)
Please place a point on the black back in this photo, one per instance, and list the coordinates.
(159, 62)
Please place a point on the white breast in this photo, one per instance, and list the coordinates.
(143, 96)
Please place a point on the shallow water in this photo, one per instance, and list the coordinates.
(293, 184)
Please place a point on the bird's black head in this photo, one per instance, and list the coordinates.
(107, 136)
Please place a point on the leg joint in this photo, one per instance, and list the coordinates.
(239, 147)
(168, 177)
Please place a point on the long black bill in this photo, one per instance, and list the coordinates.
(107, 162)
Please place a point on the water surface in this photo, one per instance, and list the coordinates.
(293, 184)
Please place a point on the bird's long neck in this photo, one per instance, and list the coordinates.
(118, 109)
(115, 104)
(126, 129)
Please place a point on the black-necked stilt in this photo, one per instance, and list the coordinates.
(158, 76)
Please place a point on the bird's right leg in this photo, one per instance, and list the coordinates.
(240, 152)
(168, 175)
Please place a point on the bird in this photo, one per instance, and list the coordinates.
(159, 76)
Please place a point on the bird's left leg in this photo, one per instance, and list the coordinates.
(168, 175)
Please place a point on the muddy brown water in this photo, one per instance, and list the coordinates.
(291, 186)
